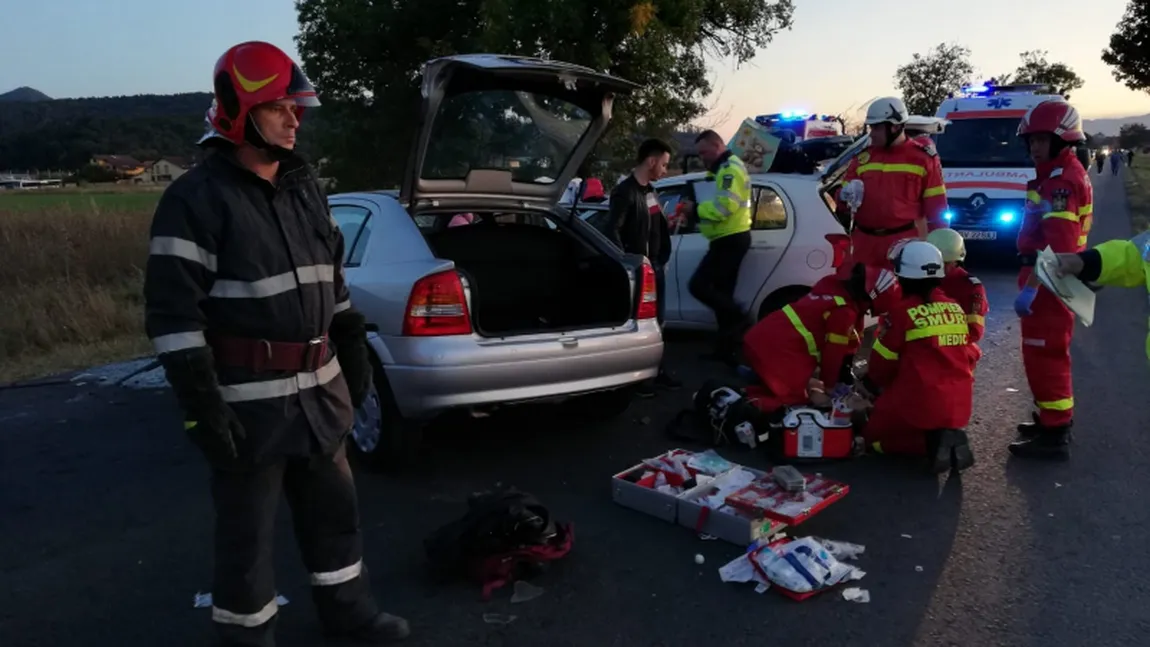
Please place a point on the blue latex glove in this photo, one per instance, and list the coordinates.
(1024, 300)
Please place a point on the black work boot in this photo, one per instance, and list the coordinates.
(383, 629)
(1051, 443)
(948, 449)
(1028, 430)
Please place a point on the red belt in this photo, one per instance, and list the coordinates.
(263, 355)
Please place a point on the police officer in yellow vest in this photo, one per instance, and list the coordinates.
(725, 221)
(1121, 263)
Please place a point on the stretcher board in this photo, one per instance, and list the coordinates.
(1069, 289)
(754, 145)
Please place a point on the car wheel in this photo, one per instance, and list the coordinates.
(781, 297)
(381, 438)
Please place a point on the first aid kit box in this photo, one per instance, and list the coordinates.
(813, 434)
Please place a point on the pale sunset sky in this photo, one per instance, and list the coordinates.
(839, 55)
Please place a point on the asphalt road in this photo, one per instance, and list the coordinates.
(105, 522)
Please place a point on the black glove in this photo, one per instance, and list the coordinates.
(348, 332)
(211, 423)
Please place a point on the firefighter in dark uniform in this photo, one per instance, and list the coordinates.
(247, 307)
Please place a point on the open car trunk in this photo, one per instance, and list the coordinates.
(526, 278)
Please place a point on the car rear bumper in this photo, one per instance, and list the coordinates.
(423, 390)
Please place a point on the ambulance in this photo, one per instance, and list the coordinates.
(804, 125)
(985, 164)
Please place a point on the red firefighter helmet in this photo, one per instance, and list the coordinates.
(250, 74)
(1053, 116)
(593, 190)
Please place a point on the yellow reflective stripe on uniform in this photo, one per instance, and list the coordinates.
(839, 301)
(934, 191)
(1082, 241)
(1033, 196)
(937, 331)
(1061, 215)
(836, 338)
(893, 168)
(1057, 405)
(883, 351)
(793, 316)
(877, 447)
(976, 319)
(1086, 211)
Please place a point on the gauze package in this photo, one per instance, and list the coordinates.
(804, 565)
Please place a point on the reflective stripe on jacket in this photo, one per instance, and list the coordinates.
(729, 211)
(234, 255)
(1126, 263)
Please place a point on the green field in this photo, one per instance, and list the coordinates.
(1137, 181)
(86, 201)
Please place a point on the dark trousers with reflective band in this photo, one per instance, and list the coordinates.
(321, 493)
(717, 276)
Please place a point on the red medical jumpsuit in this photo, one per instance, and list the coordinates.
(969, 292)
(900, 185)
(816, 333)
(1058, 214)
(924, 365)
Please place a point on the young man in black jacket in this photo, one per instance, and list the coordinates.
(638, 225)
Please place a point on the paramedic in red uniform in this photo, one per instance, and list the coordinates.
(1059, 210)
(921, 369)
(246, 304)
(960, 285)
(895, 186)
(814, 337)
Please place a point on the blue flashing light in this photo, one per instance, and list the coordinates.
(948, 215)
(1006, 217)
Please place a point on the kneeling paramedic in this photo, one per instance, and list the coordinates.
(922, 369)
(815, 337)
(960, 285)
(247, 307)
(1059, 212)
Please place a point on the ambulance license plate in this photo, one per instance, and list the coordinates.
(978, 235)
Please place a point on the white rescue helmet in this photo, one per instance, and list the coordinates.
(920, 125)
(918, 259)
(887, 110)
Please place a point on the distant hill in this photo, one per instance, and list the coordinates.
(24, 93)
(1111, 127)
(65, 133)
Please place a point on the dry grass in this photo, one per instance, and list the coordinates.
(71, 281)
(1137, 180)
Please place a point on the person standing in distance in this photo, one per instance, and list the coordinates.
(1058, 214)
(725, 221)
(637, 224)
(894, 187)
(249, 312)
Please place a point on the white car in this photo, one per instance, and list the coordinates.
(795, 241)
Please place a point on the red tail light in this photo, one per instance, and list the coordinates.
(437, 306)
(649, 295)
(841, 244)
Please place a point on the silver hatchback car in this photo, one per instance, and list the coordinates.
(479, 289)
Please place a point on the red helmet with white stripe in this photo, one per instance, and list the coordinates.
(1056, 117)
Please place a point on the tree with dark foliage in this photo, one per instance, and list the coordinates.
(928, 78)
(1036, 69)
(1129, 54)
(365, 60)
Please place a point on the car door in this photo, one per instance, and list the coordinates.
(669, 198)
(772, 230)
(772, 227)
(354, 219)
